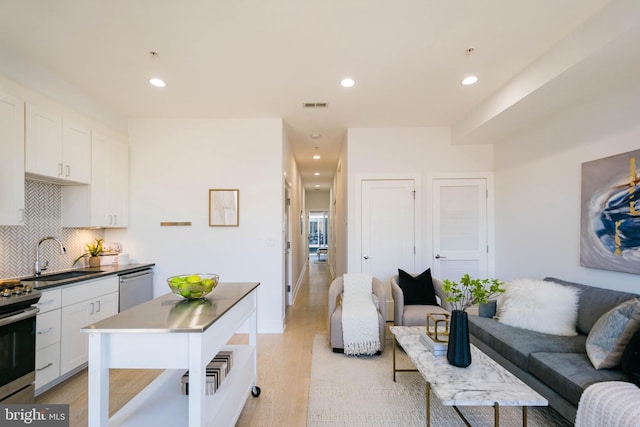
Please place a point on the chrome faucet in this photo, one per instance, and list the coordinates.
(37, 269)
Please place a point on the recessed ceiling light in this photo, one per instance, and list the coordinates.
(347, 82)
(316, 157)
(316, 135)
(317, 185)
(157, 82)
(469, 80)
(316, 173)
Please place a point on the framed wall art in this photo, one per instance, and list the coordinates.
(610, 217)
(224, 208)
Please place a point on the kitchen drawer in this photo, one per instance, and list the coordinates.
(47, 328)
(89, 290)
(47, 365)
(50, 300)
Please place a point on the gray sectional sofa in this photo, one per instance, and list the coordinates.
(555, 366)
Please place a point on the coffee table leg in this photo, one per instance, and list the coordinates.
(524, 416)
(428, 393)
(496, 415)
(394, 359)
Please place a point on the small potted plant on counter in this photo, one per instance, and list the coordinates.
(462, 296)
(92, 251)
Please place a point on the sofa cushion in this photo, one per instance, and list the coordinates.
(540, 306)
(594, 302)
(417, 289)
(569, 374)
(611, 334)
(516, 344)
(630, 362)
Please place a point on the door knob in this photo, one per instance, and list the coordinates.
(366, 257)
(438, 256)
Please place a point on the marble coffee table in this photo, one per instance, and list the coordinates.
(483, 383)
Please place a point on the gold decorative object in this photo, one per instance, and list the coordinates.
(440, 330)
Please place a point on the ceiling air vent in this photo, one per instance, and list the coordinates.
(315, 105)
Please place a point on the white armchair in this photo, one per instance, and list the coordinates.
(335, 312)
(416, 315)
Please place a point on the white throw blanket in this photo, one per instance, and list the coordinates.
(609, 403)
(360, 332)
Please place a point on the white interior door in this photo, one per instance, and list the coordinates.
(460, 242)
(388, 230)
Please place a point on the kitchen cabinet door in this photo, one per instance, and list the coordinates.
(43, 143)
(56, 150)
(83, 305)
(104, 203)
(76, 152)
(12, 160)
(47, 365)
(74, 350)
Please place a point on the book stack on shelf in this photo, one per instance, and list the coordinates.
(217, 370)
(438, 348)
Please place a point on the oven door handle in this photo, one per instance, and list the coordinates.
(25, 314)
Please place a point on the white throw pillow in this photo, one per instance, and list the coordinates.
(539, 306)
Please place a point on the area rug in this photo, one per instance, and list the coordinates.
(359, 391)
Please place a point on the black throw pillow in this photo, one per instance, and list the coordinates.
(417, 290)
(630, 362)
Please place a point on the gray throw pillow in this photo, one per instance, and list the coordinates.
(611, 334)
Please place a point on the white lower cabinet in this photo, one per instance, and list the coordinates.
(48, 337)
(60, 346)
(47, 364)
(98, 300)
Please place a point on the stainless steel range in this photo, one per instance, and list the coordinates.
(18, 343)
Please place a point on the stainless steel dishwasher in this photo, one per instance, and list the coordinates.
(135, 288)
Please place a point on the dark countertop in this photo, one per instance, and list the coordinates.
(92, 273)
(170, 313)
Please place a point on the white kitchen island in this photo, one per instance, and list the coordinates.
(176, 335)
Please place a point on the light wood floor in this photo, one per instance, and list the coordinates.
(284, 366)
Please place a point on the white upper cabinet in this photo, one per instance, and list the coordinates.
(11, 160)
(55, 152)
(76, 152)
(104, 203)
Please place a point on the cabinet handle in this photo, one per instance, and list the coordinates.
(68, 170)
(92, 308)
(45, 331)
(115, 219)
(49, 301)
(60, 169)
(44, 367)
(98, 310)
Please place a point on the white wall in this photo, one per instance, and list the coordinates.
(537, 181)
(173, 164)
(395, 152)
(338, 258)
(298, 243)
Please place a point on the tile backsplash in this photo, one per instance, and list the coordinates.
(43, 217)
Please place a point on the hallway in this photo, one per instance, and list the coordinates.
(284, 360)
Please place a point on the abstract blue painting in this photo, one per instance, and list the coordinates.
(610, 222)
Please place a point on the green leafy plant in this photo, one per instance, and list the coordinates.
(471, 291)
(93, 249)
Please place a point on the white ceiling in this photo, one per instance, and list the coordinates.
(257, 58)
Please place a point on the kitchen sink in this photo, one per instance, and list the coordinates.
(59, 276)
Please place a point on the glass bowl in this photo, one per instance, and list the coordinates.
(193, 286)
